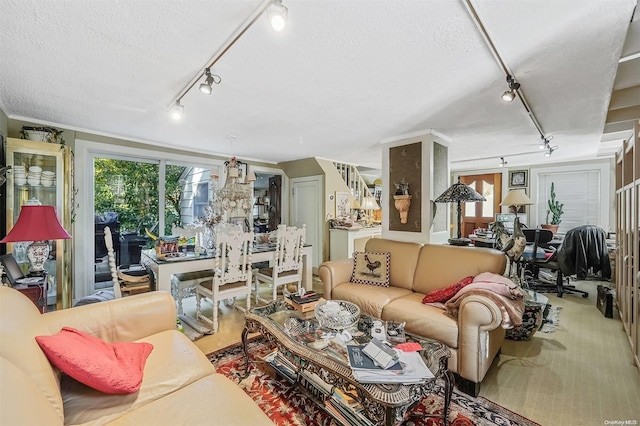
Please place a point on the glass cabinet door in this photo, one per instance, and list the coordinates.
(40, 174)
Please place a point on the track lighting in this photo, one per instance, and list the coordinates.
(502, 162)
(550, 150)
(177, 110)
(510, 95)
(278, 15)
(208, 81)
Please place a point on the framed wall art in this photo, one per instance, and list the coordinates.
(343, 206)
(518, 178)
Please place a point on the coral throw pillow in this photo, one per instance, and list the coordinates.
(371, 268)
(114, 368)
(444, 294)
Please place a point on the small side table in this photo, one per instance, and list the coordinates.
(36, 293)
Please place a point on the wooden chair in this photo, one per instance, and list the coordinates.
(287, 261)
(108, 241)
(123, 284)
(232, 278)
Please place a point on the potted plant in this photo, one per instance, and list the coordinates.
(554, 207)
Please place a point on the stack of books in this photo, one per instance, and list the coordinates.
(304, 303)
(409, 368)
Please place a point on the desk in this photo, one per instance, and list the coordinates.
(479, 241)
(163, 269)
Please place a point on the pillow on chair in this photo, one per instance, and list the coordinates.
(371, 268)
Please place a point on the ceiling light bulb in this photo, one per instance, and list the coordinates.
(205, 88)
(508, 95)
(176, 112)
(278, 15)
(543, 145)
(547, 154)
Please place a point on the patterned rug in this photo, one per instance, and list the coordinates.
(288, 407)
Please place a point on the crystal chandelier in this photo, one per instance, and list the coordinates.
(235, 198)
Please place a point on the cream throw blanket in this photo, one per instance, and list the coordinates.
(505, 293)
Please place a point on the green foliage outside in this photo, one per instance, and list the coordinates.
(131, 190)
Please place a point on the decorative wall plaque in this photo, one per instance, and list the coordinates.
(405, 175)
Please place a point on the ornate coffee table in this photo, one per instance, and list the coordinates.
(383, 404)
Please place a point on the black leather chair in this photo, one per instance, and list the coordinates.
(540, 254)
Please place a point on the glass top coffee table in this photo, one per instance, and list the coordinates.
(294, 334)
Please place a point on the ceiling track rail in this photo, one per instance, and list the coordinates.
(223, 49)
(492, 47)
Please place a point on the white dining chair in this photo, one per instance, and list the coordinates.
(232, 273)
(286, 267)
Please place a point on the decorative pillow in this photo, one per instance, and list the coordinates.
(371, 268)
(114, 368)
(444, 294)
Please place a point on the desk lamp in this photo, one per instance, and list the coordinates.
(459, 193)
(368, 205)
(38, 224)
(517, 198)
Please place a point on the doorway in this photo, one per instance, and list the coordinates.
(479, 215)
(306, 209)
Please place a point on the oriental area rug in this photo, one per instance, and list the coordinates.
(286, 406)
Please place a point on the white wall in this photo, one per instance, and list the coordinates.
(607, 190)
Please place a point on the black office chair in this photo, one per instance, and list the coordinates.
(540, 254)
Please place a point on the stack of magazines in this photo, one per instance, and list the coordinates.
(410, 368)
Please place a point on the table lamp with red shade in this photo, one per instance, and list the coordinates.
(38, 224)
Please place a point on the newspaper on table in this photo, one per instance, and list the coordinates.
(410, 368)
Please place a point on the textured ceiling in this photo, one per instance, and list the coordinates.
(340, 78)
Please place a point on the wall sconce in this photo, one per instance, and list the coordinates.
(402, 203)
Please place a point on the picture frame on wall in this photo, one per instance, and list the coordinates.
(518, 178)
(343, 206)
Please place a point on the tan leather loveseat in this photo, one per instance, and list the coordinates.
(180, 386)
(474, 338)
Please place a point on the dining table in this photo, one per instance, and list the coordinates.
(191, 262)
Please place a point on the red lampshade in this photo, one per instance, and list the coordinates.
(36, 223)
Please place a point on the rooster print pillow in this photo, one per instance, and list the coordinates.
(371, 268)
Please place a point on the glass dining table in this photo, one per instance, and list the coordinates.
(191, 262)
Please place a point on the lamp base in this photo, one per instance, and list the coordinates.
(37, 253)
(459, 241)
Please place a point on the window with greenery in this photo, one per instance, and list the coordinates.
(130, 189)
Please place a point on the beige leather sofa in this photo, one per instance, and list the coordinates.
(474, 338)
(180, 386)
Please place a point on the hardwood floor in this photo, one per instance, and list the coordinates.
(581, 374)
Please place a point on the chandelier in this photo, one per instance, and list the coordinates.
(235, 199)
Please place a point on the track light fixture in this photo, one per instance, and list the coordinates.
(208, 81)
(177, 110)
(278, 15)
(550, 150)
(502, 162)
(510, 95)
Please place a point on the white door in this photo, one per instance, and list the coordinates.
(306, 209)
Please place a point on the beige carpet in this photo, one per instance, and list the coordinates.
(581, 374)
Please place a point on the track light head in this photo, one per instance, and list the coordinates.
(208, 81)
(177, 111)
(510, 95)
(550, 150)
(502, 162)
(278, 15)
